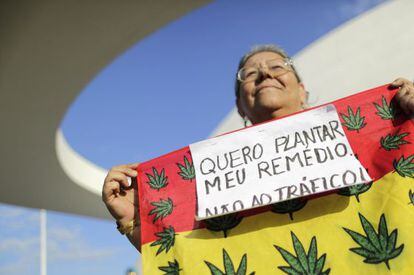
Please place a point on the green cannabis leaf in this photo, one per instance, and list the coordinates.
(173, 268)
(393, 141)
(223, 223)
(166, 239)
(355, 190)
(229, 267)
(302, 263)
(385, 111)
(354, 122)
(289, 206)
(411, 196)
(404, 167)
(375, 247)
(187, 171)
(157, 180)
(162, 209)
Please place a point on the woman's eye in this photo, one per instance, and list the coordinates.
(276, 67)
(250, 73)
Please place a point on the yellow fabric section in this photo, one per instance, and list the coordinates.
(323, 217)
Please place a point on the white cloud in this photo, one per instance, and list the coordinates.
(20, 222)
(16, 218)
(19, 245)
(23, 265)
(23, 254)
(20, 241)
(70, 244)
(77, 251)
(64, 234)
(10, 212)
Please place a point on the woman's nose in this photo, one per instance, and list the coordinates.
(263, 73)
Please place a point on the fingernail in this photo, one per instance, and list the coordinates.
(129, 180)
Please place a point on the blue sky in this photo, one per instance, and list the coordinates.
(76, 245)
(167, 91)
(174, 87)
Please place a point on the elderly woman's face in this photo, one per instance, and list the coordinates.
(269, 96)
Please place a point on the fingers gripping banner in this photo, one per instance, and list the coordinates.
(359, 229)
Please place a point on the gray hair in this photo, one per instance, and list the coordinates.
(259, 49)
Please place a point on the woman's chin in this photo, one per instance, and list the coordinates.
(268, 113)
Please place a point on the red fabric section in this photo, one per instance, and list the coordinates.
(183, 193)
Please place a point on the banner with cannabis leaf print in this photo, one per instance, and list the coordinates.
(362, 229)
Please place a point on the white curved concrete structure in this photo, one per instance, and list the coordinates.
(80, 170)
(49, 51)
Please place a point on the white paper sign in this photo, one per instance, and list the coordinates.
(297, 156)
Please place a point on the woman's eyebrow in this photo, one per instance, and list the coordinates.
(256, 64)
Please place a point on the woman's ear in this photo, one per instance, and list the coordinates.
(303, 94)
(239, 108)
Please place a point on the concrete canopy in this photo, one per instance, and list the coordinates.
(49, 51)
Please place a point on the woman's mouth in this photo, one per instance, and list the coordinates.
(263, 87)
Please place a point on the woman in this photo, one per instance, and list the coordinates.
(267, 87)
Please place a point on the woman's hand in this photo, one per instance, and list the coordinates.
(119, 193)
(405, 95)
